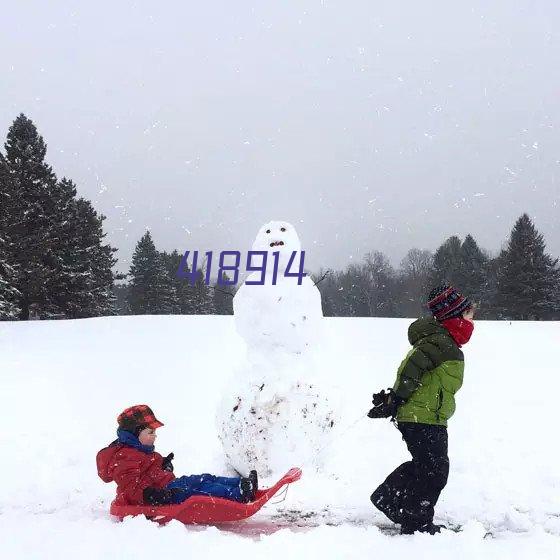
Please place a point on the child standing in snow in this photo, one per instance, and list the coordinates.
(421, 401)
(144, 477)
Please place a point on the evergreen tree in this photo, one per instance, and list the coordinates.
(67, 279)
(184, 292)
(95, 261)
(151, 291)
(82, 285)
(203, 302)
(475, 279)
(120, 293)
(489, 308)
(27, 216)
(9, 295)
(528, 279)
(448, 263)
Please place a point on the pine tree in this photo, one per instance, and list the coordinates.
(448, 263)
(528, 279)
(9, 295)
(28, 213)
(68, 278)
(94, 262)
(489, 309)
(475, 279)
(120, 293)
(151, 291)
(82, 285)
(203, 303)
(185, 293)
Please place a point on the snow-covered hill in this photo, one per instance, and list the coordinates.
(62, 384)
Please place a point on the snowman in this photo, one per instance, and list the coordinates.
(276, 414)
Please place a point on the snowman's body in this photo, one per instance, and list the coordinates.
(275, 416)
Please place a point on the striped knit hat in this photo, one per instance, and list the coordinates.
(445, 302)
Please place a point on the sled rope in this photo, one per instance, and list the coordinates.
(283, 495)
(338, 436)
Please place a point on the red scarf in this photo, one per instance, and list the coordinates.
(460, 329)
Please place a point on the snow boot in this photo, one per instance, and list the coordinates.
(386, 505)
(247, 490)
(431, 528)
(253, 477)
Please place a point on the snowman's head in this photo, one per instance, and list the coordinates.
(281, 237)
(277, 236)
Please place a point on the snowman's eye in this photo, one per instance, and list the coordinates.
(267, 231)
(282, 229)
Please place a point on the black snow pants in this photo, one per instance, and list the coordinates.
(410, 492)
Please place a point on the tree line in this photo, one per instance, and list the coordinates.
(55, 263)
(154, 287)
(521, 283)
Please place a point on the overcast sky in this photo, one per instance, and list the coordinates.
(368, 125)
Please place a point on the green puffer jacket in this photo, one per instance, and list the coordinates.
(430, 375)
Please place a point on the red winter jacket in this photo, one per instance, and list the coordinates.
(132, 470)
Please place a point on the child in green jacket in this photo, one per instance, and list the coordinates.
(421, 401)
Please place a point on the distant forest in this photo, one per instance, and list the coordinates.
(55, 263)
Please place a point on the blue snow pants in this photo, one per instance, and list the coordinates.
(205, 485)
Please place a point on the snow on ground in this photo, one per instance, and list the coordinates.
(62, 384)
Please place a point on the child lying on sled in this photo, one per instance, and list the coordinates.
(144, 477)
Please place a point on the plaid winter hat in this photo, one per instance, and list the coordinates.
(135, 418)
(445, 302)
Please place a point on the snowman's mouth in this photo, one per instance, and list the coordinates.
(277, 244)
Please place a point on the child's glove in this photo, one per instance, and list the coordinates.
(385, 404)
(166, 464)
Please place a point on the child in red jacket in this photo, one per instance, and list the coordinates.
(144, 477)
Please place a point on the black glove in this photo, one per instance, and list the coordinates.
(166, 464)
(160, 496)
(385, 404)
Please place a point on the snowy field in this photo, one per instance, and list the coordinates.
(63, 384)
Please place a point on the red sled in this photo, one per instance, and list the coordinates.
(207, 510)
